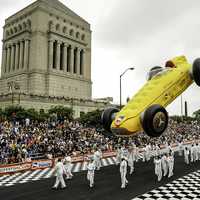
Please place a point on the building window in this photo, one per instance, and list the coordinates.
(54, 54)
(61, 56)
(75, 61)
(77, 35)
(57, 27)
(83, 37)
(68, 58)
(81, 62)
(71, 32)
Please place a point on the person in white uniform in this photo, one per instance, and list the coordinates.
(123, 172)
(68, 167)
(170, 160)
(59, 170)
(180, 148)
(118, 155)
(131, 160)
(158, 167)
(97, 159)
(91, 170)
(192, 152)
(164, 164)
(186, 155)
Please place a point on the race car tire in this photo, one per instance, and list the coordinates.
(155, 120)
(107, 117)
(196, 71)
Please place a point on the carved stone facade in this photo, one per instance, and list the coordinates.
(47, 52)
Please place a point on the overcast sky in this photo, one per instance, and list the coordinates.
(133, 33)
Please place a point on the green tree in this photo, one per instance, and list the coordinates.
(62, 112)
(92, 118)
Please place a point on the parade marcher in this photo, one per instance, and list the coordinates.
(158, 167)
(198, 151)
(59, 170)
(157, 150)
(195, 152)
(186, 155)
(91, 170)
(180, 148)
(118, 155)
(170, 160)
(136, 153)
(192, 150)
(97, 159)
(68, 167)
(123, 172)
(131, 160)
(164, 164)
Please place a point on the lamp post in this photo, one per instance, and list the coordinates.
(120, 87)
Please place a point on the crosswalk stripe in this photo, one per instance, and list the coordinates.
(104, 162)
(39, 175)
(84, 166)
(49, 173)
(110, 161)
(77, 167)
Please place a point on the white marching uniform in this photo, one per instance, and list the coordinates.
(170, 160)
(164, 165)
(123, 172)
(192, 153)
(198, 151)
(147, 152)
(180, 148)
(158, 168)
(68, 167)
(118, 156)
(186, 155)
(59, 171)
(90, 173)
(136, 153)
(97, 159)
(131, 161)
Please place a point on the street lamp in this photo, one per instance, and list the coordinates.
(120, 87)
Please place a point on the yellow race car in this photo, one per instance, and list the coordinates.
(146, 109)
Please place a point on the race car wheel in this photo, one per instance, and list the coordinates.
(196, 71)
(155, 120)
(107, 117)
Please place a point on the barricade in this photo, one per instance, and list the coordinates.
(14, 168)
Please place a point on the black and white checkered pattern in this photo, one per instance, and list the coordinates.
(9, 180)
(184, 188)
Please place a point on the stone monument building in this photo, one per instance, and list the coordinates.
(46, 58)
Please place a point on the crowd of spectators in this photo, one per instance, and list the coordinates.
(20, 142)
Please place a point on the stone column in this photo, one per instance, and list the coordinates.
(50, 54)
(4, 54)
(12, 61)
(65, 57)
(8, 58)
(71, 59)
(26, 54)
(17, 56)
(21, 52)
(58, 55)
